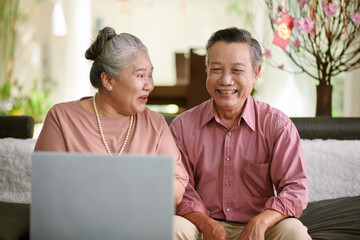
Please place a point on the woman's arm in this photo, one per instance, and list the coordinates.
(167, 146)
(51, 138)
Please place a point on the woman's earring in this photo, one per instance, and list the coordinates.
(110, 87)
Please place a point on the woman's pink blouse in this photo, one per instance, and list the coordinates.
(69, 127)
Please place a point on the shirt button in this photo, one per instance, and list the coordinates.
(228, 158)
(228, 209)
(229, 133)
(227, 184)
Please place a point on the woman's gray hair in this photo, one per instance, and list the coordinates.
(234, 34)
(111, 52)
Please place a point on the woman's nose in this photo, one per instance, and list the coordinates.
(149, 84)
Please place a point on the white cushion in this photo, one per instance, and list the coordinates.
(15, 168)
(333, 168)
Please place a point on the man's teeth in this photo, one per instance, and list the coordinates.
(227, 91)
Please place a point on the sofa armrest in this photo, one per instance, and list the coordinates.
(16, 126)
(328, 128)
(14, 221)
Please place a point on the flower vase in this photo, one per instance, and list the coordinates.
(323, 100)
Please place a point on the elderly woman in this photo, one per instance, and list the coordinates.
(115, 120)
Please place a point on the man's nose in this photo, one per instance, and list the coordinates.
(226, 78)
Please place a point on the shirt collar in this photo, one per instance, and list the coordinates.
(248, 113)
(209, 112)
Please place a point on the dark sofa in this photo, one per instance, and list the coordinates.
(337, 218)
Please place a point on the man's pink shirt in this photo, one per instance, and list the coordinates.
(237, 173)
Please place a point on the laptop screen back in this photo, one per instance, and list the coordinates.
(90, 196)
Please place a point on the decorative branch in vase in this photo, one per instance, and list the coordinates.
(322, 38)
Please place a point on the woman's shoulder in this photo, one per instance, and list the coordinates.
(151, 115)
(67, 108)
(149, 119)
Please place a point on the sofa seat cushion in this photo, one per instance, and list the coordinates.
(333, 219)
(14, 221)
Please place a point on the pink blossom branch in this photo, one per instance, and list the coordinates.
(332, 46)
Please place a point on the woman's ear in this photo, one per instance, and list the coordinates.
(106, 81)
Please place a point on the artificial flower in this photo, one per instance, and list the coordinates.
(267, 53)
(296, 43)
(297, 24)
(281, 66)
(306, 25)
(273, 20)
(302, 3)
(331, 9)
(324, 3)
(280, 8)
(356, 18)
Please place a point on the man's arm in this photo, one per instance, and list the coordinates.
(257, 226)
(191, 201)
(210, 228)
(178, 191)
(192, 208)
(288, 173)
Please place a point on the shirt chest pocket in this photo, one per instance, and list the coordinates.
(257, 179)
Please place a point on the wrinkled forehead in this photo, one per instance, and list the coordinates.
(228, 51)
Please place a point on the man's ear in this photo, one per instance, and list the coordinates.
(106, 81)
(257, 73)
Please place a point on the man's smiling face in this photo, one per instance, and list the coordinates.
(230, 75)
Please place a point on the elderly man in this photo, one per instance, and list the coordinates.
(247, 171)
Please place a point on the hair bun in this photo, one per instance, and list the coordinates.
(97, 46)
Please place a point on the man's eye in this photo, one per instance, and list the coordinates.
(141, 76)
(216, 69)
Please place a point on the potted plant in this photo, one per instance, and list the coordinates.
(322, 38)
(9, 16)
(13, 101)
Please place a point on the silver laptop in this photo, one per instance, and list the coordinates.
(91, 196)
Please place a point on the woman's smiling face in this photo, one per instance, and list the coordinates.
(134, 84)
(230, 75)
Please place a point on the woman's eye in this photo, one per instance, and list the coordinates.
(216, 69)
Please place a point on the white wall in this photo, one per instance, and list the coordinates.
(41, 54)
(76, 83)
(67, 64)
(352, 96)
(165, 26)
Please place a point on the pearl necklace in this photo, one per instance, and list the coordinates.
(102, 133)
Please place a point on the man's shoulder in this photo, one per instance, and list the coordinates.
(192, 116)
(267, 112)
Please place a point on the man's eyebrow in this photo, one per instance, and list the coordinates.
(240, 64)
(214, 63)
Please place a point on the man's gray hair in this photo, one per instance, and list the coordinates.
(234, 34)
